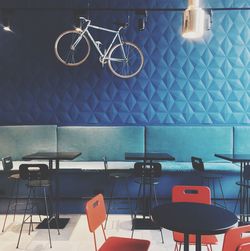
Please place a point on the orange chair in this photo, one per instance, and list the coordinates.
(96, 215)
(235, 240)
(194, 194)
(244, 247)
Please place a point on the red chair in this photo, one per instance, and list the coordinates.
(194, 194)
(237, 239)
(96, 215)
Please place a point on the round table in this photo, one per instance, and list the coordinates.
(194, 218)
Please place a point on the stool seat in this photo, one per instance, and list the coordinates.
(119, 174)
(242, 184)
(39, 183)
(211, 175)
(15, 176)
(147, 181)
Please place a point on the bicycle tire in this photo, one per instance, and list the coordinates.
(117, 68)
(66, 55)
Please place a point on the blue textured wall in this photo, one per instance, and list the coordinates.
(182, 82)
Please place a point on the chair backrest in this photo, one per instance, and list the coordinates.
(197, 164)
(34, 171)
(96, 212)
(155, 172)
(195, 194)
(236, 237)
(7, 163)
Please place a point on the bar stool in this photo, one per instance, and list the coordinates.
(147, 177)
(244, 187)
(14, 178)
(208, 179)
(116, 175)
(38, 179)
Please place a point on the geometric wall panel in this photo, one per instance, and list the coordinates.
(182, 82)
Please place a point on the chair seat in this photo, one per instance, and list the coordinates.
(205, 239)
(244, 247)
(39, 183)
(15, 176)
(242, 184)
(124, 244)
(207, 175)
(119, 175)
(154, 181)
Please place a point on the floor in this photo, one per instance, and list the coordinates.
(76, 237)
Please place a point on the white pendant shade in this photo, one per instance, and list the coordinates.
(193, 20)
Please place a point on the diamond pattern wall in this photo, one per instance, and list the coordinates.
(182, 82)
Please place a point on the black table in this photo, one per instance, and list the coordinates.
(148, 158)
(53, 156)
(194, 218)
(244, 160)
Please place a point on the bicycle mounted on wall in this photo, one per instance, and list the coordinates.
(124, 58)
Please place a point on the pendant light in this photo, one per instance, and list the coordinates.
(193, 20)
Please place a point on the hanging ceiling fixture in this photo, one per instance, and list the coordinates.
(5, 16)
(193, 20)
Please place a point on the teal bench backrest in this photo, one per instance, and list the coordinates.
(185, 141)
(96, 141)
(242, 139)
(18, 141)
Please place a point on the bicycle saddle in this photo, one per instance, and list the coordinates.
(120, 24)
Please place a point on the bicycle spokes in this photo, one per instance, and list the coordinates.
(125, 60)
(72, 48)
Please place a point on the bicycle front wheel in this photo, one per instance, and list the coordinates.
(72, 48)
(125, 60)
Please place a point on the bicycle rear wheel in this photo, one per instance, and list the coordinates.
(65, 52)
(130, 65)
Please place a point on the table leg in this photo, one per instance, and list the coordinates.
(146, 221)
(186, 242)
(50, 164)
(143, 194)
(241, 194)
(56, 222)
(198, 242)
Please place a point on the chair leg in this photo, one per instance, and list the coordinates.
(237, 201)
(51, 214)
(156, 200)
(176, 247)
(180, 244)
(8, 207)
(222, 193)
(16, 198)
(110, 202)
(129, 200)
(137, 200)
(24, 216)
(47, 215)
(214, 192)
(162, 240)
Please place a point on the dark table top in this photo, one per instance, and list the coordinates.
(52, 156)
(194, 218)
(234, 157)
(148, 156)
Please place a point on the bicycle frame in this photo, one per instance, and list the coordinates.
(106, 51)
